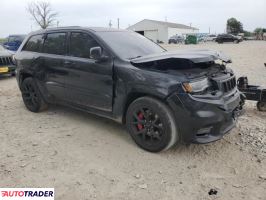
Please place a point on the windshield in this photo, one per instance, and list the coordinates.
(129, 45)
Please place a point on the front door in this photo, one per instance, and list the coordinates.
(89, 83)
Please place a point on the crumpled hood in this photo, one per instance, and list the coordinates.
(195, 56)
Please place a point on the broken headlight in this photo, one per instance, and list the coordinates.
(196, 86)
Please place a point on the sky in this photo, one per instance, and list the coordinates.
(203, 14)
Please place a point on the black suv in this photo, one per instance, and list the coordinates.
(227, 38)
(162, 97)
(176, 39)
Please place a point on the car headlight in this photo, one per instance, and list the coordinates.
(196, 86)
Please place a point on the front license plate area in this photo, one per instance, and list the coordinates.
(3, 69)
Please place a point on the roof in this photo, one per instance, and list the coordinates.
(93, 29)
(168, 24)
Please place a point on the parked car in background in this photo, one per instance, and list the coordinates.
(13, 42)
(227, 38)
(176, 39)
(162, 97)
(6, 62)
(210, 38)
(249, 38)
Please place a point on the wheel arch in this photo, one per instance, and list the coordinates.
(132, 96)
(23, 76)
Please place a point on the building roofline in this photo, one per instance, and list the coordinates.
(169, 24)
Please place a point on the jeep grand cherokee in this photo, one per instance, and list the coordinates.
(162, 97)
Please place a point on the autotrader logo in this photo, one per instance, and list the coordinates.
(26, 193)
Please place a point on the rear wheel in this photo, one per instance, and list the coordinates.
(31, 96)
(261, 106)
(151, 124)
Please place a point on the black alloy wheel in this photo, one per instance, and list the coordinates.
(31, 96)
(151, 124)
(261, 106)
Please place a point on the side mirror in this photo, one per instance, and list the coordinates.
(96, 53)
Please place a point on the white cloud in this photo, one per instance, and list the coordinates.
(202, 14)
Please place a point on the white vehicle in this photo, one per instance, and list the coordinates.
(210, 38)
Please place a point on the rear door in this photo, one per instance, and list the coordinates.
(89, 83)
(52, 62)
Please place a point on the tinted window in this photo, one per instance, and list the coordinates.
(55, 43)
(129, 44)
(34, 43)
(80, 44)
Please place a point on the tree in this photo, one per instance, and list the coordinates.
(260, 30)
(259, 33)
(234, 26)
(42, 13)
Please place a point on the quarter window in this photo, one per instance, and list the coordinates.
(34, 44)
(80, 44)
(55, 43)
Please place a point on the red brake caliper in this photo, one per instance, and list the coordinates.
(140, 116)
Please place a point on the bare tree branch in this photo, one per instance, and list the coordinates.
(42, 13)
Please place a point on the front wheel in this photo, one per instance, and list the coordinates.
(31, 96)
(151, 124)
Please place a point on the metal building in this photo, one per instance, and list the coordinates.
(160, 30)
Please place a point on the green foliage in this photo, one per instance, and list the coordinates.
(234, 26)
(2, 40)
(260, 30)
(248, 34)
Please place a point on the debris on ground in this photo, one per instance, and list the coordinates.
(213, 192)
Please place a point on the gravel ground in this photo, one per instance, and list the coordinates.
(87, 157)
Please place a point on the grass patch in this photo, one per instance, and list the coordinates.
(2, 40)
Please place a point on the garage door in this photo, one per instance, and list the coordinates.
(153, 35)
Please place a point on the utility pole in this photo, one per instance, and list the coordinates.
(118, 23)
(57, 23)
(209, 30)
(110, 24)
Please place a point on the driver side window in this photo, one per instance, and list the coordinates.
(80, 44)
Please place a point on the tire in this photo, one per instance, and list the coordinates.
(261, 106)
(151, 124)
(236, 41)
(31, 96)
(13, 74)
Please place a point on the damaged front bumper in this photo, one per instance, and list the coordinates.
(202, 120)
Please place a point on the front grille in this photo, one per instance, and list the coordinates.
(229, 84)
(6, 61)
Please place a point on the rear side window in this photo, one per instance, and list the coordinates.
(80, 44)
(34, 44)
(55, 43)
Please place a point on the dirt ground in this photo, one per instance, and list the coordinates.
(87, 157)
